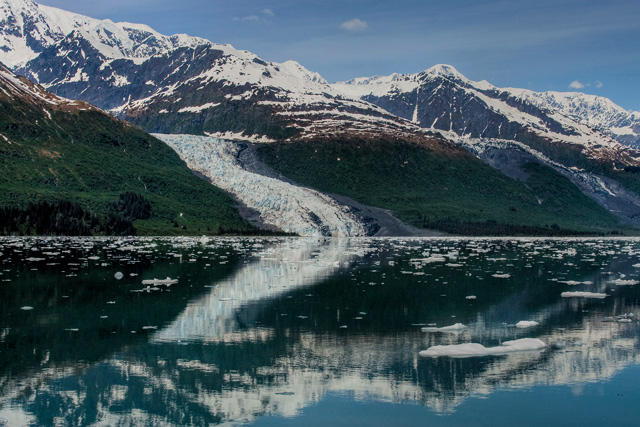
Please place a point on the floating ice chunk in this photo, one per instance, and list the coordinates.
(625, 320)
(453, 265)
(118, 275)
(72, 329)
(26, 308)
(523, 324)
(501, 276)
(429, 260)
(225, 299)
(149, 327)
(582, 295)
(458, 327)
(636, 265)
(167, 282)
(622, 282)
(575, 283)
(475, 350)
(34, 259)
(470, 297)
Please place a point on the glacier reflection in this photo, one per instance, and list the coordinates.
(231, 356)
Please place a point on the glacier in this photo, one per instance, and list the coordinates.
(289, 207)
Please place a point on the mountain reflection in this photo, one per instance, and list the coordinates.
(302, 318)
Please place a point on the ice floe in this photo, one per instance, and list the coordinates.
(474, 349)
(458, 327)
(166, 282)
(583, 295)
(523, 324)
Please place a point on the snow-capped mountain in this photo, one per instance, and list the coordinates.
(186, 85)
(442, 99)
(177, 83)
(27, 28)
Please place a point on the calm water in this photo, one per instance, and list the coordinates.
(291, 332)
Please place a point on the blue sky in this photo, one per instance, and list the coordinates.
(535, 44)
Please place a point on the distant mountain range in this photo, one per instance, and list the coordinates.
(186, 85)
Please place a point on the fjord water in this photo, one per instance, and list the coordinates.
(294, 331)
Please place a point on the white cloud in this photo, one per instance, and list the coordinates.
(576, 85)
(354, 25)
(599, 84)
(264, 16)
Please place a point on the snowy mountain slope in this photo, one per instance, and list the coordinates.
(291, 208)
(178, 84)
(594, 111)
(27, 28)
(14, 87)
(441, 98)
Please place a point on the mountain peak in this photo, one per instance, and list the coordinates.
(444, 70)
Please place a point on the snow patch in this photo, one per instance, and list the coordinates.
(198, 108)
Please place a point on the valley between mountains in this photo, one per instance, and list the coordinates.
(179, 135)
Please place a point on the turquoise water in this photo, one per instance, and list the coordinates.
(293, 331)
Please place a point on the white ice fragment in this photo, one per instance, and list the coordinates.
(501, 276)
(149, 327)
(523, 324)
(575, 283)
(167, 282)
(118, 275)
(470, 297)
(622, 282)
(474, 350)
(26, 308)
(458, 327)
(34, 259)
(582, 295)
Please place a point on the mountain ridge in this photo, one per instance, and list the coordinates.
(202, 88)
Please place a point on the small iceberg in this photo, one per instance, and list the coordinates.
(166, 282)
(583, 295)
(476, 350)
(523, 324)
(623, 282)
(458, 327)
(26, 308)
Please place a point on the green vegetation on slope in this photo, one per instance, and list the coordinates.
(86, 157)
(442, 187)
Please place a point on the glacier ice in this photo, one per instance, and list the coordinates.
(291, 208)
